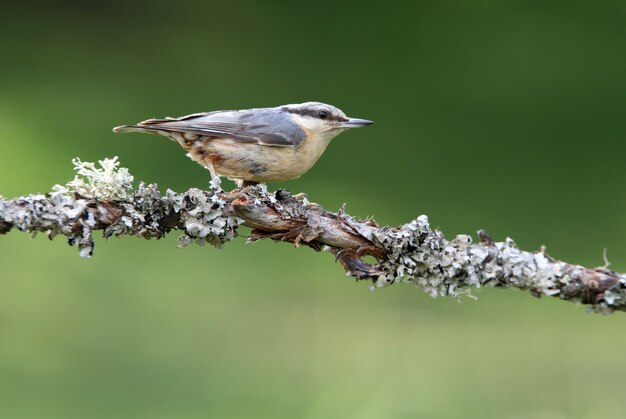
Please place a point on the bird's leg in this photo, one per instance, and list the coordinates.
(212, 170)
(215, 179)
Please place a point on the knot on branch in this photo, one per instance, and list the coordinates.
(284, 217)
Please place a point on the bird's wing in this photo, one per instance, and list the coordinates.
(263, 126)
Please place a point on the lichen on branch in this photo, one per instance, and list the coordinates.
(107, 182)
(102, 198)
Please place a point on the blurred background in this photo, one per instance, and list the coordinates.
(502, 115)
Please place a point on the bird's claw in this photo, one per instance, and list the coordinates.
(216, 183)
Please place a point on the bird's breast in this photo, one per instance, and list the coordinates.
(257, 162)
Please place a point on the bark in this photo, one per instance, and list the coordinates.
(102, 199)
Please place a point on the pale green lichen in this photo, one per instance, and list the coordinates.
(101, 195)
(200, 214)
(102, 198)
(109, 182)
(422, 256)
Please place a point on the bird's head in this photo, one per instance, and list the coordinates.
(323, 119)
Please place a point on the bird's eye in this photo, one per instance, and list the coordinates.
(323, 114)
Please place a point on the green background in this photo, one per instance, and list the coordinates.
(502, 115)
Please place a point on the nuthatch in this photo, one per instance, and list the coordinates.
(255, 145)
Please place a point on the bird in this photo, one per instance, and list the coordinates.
(258, 145)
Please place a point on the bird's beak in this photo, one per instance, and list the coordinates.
(355, 123)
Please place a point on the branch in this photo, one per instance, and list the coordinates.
(102, 199)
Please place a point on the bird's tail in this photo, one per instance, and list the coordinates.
(130, 128)
(157, 127)
(152, 126)
(146, 126)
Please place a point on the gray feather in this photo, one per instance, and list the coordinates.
(267, 126)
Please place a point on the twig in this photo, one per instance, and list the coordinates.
(103, 199)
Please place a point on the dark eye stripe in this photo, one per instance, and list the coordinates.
(315, 113)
